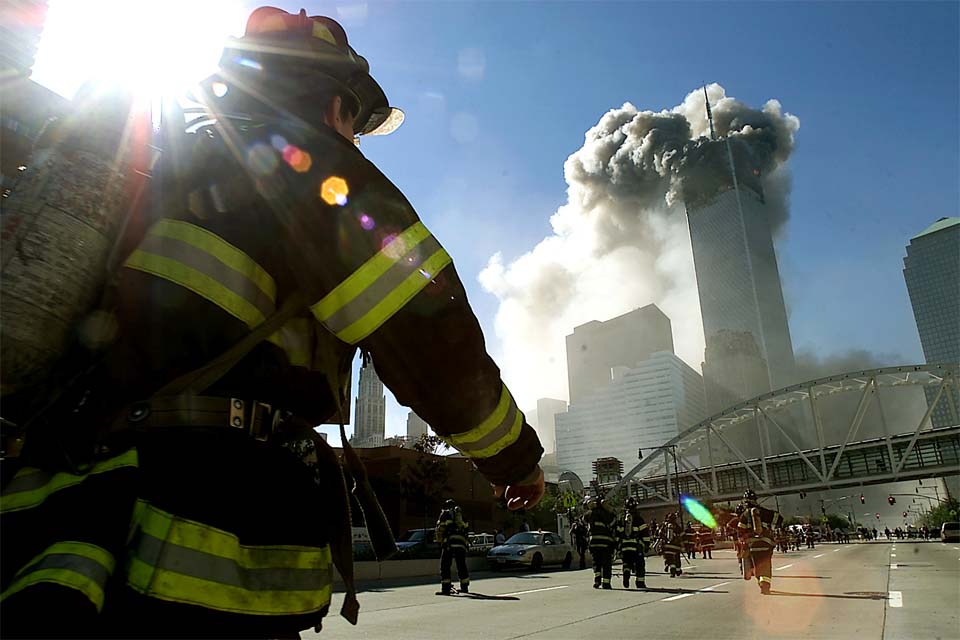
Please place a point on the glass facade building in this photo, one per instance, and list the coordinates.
(931, 270)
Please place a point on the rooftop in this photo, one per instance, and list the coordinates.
(939, 225)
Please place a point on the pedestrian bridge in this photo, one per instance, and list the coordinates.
(760, 444)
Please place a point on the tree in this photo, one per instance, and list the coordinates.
(946, 511)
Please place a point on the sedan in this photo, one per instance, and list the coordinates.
(532, 549)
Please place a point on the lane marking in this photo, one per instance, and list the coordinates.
(896, 599)
(835, 550)
(893, 555)
(786, 566)
(894, 566)
(679, 597)
(520, 593)
(687, 595)
(820, 556)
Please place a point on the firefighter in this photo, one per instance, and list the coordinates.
(633, 540)
(757, 525)
(706, 541)
(451, 533)
(689, 541)
(671, 544)
(158, 482)
(601, 521)
(733, 529)
(580, 538)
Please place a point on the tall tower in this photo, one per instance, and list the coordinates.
(738, 280)
(370, 425)
(931, 270)
(594, 348)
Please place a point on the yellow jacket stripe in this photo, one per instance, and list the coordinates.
(209, 266)
(81, 566)
(383, 285)
(30, 487)
(184, 561)
(497, 432)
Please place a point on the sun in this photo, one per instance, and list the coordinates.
(156, 48)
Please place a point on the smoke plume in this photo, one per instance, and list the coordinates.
(621, 240)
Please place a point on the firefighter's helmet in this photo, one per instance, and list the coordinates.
(631, 503)
(285, 57)
(750, 496)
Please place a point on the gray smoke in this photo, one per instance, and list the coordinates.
(621, 241)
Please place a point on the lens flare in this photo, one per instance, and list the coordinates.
(334, 190)
(698, 511)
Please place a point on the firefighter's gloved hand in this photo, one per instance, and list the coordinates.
(525, 494)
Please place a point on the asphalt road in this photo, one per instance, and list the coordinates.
(861, 591)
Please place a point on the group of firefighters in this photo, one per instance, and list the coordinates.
(756, 531)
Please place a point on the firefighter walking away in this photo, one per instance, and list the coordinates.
(452, 536)
(671, 544)
(601, 521)
(160, 495)
(633, 539)
(757, 526)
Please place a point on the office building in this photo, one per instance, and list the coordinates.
(370, 426)
(931, 270)
(416, 427)
(642, 406)
(594, 348)
(547, 410)
(738, 279)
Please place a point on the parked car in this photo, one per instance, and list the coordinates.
(950, 532)
(533, 549)
(481, 541)
(417, 541)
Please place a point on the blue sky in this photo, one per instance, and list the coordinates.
(498, 95)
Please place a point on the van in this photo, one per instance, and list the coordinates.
(481, 541)
(950, 532)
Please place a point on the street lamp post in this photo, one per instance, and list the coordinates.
(676, 473)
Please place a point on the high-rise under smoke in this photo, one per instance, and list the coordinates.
(748, 348)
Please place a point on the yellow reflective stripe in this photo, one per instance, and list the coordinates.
(372, 269)
(488, 425)
(75, 565)
(30, 487)
(200, 283)
(176, 587)
(219, 248)
(210, 540)
(384, 310)
(183, 561)
(497, 432)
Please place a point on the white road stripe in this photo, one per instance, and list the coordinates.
(687, 595)
(519, 593)
(835, 550)
(894, 566)
(786, 566)
(896, 599)
(893, 555)
(820, 556)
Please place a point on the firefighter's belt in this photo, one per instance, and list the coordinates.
(249, 416)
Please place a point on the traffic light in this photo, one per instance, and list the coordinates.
(862, 501)
(891, 500)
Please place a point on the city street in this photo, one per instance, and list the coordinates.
(904, 589)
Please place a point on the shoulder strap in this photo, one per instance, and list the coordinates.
(195, 381)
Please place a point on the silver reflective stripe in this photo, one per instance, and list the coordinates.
(209, 265)
(380, 288)
(71, 562)
(498, 432)
(206, 566)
